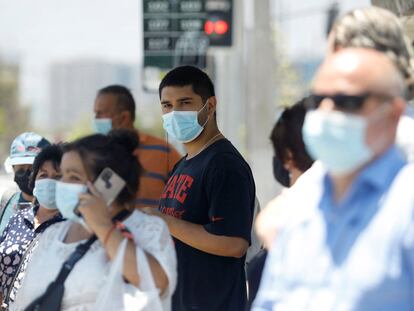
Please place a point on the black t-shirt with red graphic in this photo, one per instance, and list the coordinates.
(214, 189)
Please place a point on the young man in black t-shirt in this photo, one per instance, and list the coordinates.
(208, 201)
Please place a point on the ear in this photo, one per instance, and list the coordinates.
(399, 106)
(125, 118)
(211, 105)
(289, 163)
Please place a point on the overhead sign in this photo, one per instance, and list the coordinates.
(179, 32)
(174, 33)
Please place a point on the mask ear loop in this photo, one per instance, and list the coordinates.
(208, 116)
(168, 160)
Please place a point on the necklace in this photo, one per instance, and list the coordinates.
(209, 142)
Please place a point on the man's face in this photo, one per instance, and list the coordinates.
(106, 107)
(354, 88)
(183, 98)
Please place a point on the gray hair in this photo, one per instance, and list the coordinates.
(379, 29)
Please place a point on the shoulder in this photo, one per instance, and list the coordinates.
(150, 140)
(19, 216)
(53, 231)
(310, 179)
(406, 173)
(8, 197)
(301, 201)
(225, 157)
(147, 139)
(8, 194)
(404, 139)
(400, 190)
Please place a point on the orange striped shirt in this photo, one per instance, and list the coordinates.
(158, 158)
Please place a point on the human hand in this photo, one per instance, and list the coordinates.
(94, 209)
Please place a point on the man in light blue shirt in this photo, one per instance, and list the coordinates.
(349, 243)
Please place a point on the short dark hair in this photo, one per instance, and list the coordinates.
(51, 153)
(116, 151)
(286, 136)
(189, 75)
(125, 100)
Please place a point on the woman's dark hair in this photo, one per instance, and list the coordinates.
(115, 151)
(51, 153)
(286, 136)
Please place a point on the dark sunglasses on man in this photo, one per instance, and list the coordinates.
(344, 102)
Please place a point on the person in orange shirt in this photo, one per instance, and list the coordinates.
(114, 108)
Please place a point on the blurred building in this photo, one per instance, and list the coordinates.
(73, 87)
(13, 118)
(306, 68)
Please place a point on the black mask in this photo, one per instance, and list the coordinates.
(21, 177)
(281, 174)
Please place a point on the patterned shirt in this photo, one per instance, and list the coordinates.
(16, 202)
(14, 241)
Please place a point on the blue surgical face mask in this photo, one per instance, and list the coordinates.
(337, 139)
(102, 126)
(44, 191)
(67, 199)
(183, 126)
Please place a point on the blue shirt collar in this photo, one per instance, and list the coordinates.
(377, 175)
(381, 172)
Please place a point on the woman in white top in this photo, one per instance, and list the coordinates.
(86, 287)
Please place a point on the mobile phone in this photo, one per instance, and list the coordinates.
(109, 184)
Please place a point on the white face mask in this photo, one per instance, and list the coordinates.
(67, 199)
(337, 139)
(44, 191)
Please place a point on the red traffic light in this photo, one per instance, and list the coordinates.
(219, 27)
(209, 27)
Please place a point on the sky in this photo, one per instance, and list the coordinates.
(303, 24)
(37, 33)
(53, 29)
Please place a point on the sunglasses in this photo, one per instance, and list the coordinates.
(343, 102)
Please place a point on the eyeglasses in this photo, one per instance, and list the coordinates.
(343, 102)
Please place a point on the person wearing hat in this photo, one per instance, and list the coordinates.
(23, 151)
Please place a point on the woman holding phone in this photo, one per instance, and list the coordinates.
(92, 213)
